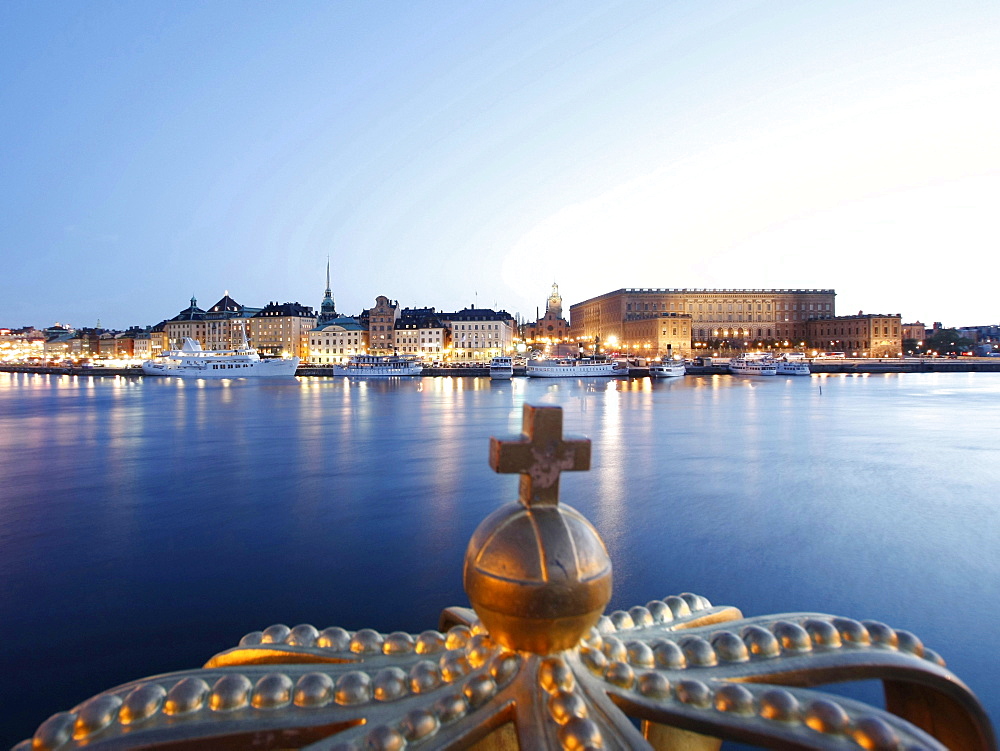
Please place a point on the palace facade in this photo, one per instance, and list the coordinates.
(734, 317)
(863, 335)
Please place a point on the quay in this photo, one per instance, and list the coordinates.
(886, 365)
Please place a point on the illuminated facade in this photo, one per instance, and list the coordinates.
(551, 328)
(225, 324)
(655, 336)
(421, 332)
(735, 316)
(479, 334)
(871, 335)
(336, 341)
(282, 330)
(189, 323)
(382, 326)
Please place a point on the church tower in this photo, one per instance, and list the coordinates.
(327, 310)
(553, 306)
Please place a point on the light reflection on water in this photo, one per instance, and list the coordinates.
(146, 524)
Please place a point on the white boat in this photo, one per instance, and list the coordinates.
(576, 367)
(793, 367)
(753, 365)
(502, 368)
(667, 367)
(379, 366)
(191, 361)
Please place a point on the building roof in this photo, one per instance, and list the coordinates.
(477, 314)
(285, 310)
(346, 323)
(191, 313)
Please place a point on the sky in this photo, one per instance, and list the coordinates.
(452, 154)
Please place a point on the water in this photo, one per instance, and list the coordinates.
(147, 524)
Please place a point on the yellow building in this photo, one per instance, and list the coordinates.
(479, 334)
(655, 336)
(725, 317)
(282, 329)
(337, 340)
(863, 335)
(189, 323)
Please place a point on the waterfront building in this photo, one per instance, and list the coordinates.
(225, 324)
(189, 323)
(422, 333)
(158, 339)
(551, 329)
(479, 334)
(25, 344)
(382, 326)
(656, 335)
(336, 340)
(125, 342)
(724, 317)
(916, 331)
(142, 345)
(106, 345)
(57, 346)
(861, 335)
(282, 329)
(85, 344)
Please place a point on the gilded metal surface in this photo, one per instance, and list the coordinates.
(536, 571)
(691, 672)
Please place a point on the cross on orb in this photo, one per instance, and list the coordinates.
(540, 454)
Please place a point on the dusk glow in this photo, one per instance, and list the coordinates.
(449, 154)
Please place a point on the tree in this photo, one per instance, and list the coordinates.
(947, 342)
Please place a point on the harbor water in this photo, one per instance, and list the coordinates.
(146, 524)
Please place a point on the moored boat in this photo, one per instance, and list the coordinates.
(576, 367)
(667, 367)
(374, 366)
(191, 361)
(753, 365)
(502, 368)
(792, 367)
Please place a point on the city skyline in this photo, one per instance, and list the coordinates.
(456, 156)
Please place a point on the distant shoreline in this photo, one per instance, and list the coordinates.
(909, 365)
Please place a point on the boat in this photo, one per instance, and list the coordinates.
(792, 367)
(379, 366)
(191, 361)
(667, 367)
(576, 367)
(502, 368)
(753, 365)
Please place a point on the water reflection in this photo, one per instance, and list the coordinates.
(188, 513)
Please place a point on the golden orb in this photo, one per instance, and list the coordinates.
(538, 577)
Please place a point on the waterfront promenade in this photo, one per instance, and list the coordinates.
(849, 365)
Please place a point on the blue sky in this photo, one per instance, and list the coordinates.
(452, 153)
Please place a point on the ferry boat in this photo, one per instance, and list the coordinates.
(191, 361)
(667, 367)
(502, 368)
(576, 367)
(753, 365)
(792, 367)
(374, 366)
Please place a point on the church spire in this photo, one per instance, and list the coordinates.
(328, 311)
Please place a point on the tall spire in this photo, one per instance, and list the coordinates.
(328, 310)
